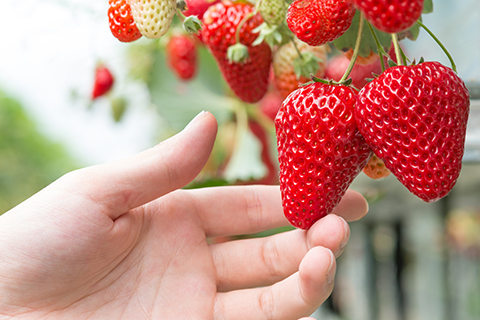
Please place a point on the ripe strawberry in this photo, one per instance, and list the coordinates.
(103, 82)
(286, 80)
(317, 22)
(248, 80)
(415, 118)
(375, 168)
(198, 7)
(182, 56)
(391, 16)
(153, 17)
(320, 150)
(337, 65)
(121, 22)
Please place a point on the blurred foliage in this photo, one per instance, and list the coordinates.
(29, 161)
(236, 157)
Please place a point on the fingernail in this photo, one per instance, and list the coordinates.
(346, 234)
(368, 207)
(197, 117)
(331, 269)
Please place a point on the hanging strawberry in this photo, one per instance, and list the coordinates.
(153, 17)
(103, 82)
(182, 56)
(247, 76)
(317, 22)
(121, 21)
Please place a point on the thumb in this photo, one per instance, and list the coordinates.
(134, 181)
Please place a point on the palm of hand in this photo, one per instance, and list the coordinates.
(113, 242)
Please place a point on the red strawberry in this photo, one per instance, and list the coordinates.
(317, 22)
(375, 168)
(103, 81)
(415, 118)
(391, 16)
(320, 150)
(198, 7)
(337, 65)
(248, 80)
(182, 56)
(121, 21)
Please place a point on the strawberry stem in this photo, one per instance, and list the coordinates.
(180, 14)
(296, 49)
(355, 50)
(258, 116)
(454, 67)
(380, 50)
(396, 46)
(240, 25)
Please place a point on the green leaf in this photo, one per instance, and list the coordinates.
(179, 102)
(348, 39)
(246, 162)
(427, 6)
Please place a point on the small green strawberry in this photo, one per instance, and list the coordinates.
(273, 12)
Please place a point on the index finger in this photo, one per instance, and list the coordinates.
(236, 210)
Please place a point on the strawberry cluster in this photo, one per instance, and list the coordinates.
(409, 120)
(361, 112)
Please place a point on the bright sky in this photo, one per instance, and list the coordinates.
(50, 48)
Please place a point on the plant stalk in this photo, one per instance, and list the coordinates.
(355, 50)
(454, 67)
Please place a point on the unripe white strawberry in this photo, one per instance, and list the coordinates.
(153, 17)
(290, 70)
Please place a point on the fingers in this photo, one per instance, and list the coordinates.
(258, 262)
(296, 296)
(239, 209)
(248, 209)
(129, 183)
(352, 207)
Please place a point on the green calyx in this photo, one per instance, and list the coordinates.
(238, 53)
(272, 35)
(192, 24)
(306, 64)
(347, 82)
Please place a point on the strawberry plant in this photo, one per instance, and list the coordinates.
(322, 86)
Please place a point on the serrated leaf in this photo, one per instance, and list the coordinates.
(367, 45)
(427, 6)
(246, 162)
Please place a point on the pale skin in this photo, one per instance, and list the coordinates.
(121, 241)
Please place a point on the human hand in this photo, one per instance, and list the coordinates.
(119, 241)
